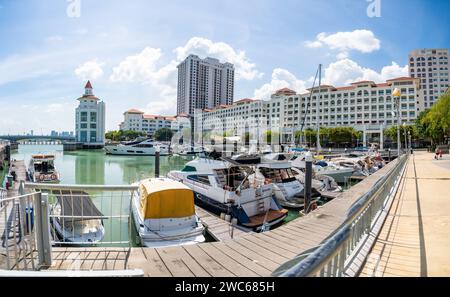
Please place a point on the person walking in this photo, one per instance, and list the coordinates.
(440, 154)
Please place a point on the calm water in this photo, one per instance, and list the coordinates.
(95, 168)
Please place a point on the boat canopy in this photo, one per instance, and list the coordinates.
(76, 205)
(163, 198)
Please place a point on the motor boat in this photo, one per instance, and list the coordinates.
(138, 147)
(164, 214)
(339, 174)
(224, 186)
(41, 169)
(76, 219)
(288, 190)
(187, 150)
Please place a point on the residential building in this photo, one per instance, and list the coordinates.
(365, 105)
(432, 67)
(136, 120)
(90, 119)
(203, 83)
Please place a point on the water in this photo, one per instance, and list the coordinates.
(94, 167)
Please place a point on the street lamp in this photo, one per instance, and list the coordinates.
(404, 128)
(396, 95)
(409, 138)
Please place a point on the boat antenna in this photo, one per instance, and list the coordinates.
(308, 104)
(318, 111)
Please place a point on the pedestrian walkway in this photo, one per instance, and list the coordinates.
(415, 238)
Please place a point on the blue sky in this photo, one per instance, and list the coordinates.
(130, 49)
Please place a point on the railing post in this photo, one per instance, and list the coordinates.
(44, 245)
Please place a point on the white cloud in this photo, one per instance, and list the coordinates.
(281, 78)
(54, 38)
(360, 40)
(90, 70)
(346, 71)
(224, 52)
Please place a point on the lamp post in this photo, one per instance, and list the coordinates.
(404, 129)
(396, 95)
(410, 145)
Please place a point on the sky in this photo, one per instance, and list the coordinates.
(130, 49)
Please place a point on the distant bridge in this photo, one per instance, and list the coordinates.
(32, 138)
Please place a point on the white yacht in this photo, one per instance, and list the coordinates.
(41, 169)
(340, 174)
(225, 187)
(287, 188)
(76, 219)
(164, 214)
(138, 147)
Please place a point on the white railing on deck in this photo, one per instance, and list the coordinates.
(343, 253)
(114, 203)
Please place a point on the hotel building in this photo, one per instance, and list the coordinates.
(432, 67)
(203, 83)
(136, 120)
(365, 105)
(90, 119)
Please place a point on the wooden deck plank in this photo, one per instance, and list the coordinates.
(263, 251)
(251, 264)
(209, 264)
(286, 253)
(174, 264)
(257, 258)
(190, 262)
(226, 261)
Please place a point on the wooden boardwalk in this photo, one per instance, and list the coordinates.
(252, 254)
(415, 238)
(12, 240)
(219, 229)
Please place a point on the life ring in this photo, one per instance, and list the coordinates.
(267, 181)
(41, 177)
(54, 177)
(313, 206)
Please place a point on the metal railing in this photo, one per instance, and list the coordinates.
(18, 232)
(336, 255)
(88, 215)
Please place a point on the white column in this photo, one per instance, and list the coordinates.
(364, 136)
(381, 137)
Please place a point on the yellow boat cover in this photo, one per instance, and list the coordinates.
(163, 198)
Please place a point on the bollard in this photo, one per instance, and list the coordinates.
(157, 155)
(308, 181)
(389, 155)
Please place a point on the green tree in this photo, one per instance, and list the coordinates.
(163, 134)
(435, 123)
(123, 135)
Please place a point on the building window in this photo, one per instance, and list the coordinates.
(93, 117)
(93, 137)
(83, 116)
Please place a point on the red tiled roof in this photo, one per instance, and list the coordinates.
(285, 91)
(158, 117)
(88, 85)
(133, 110)
(362, 82)
(402, 78)
(245, 100)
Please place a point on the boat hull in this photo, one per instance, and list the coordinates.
(132, 151)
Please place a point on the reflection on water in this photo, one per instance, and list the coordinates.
(95, 167)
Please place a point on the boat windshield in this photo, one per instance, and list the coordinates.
(231, 178)
(283, 175)
(44, 166)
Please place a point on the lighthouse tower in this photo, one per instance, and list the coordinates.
(90, 119)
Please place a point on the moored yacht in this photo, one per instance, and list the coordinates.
(138, 147)
(226, 187)
(42, 169)
(287, 188)
(164, 214)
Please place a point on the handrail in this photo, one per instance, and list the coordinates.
(80, 187)
(73, 273)
(337, 248)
